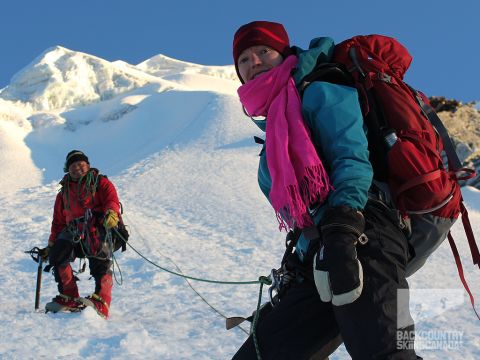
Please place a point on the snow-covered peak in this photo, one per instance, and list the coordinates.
(221, 79)
(162, 66)
(60, 77)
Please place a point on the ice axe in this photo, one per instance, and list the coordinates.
(35, 254)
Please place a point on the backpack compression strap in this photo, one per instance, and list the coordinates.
(471, 238)
(442, 131)
(458, 262)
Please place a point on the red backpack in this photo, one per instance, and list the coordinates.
(407, 141)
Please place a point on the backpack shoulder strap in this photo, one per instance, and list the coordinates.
(334, 73)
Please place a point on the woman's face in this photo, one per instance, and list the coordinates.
(256, 60)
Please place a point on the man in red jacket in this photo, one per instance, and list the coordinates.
(86, 209)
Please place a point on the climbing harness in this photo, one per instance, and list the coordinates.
(79, 229)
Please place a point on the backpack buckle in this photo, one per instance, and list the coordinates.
(385, 78)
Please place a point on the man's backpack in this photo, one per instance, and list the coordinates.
(120, 234)
(407, 141)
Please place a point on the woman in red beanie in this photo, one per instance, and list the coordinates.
(340, 282)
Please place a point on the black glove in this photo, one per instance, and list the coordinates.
(43, 253)
(337, 271)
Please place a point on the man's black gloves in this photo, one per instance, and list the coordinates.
(337, 271)
(43, 253)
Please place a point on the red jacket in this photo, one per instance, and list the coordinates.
(105, 198)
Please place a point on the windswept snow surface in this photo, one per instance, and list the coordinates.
(180, 151)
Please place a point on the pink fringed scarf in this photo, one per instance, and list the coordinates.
(298, 176)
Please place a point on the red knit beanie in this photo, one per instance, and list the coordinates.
(255, 33)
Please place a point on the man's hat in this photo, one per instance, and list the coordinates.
(73, 156)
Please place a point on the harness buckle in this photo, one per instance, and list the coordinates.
(281, 279)
(274, 289)
(363, 239)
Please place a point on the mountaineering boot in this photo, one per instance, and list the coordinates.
(97, 303)
(64, 303)
(100, 300)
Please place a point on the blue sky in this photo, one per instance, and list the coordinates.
(442, 36)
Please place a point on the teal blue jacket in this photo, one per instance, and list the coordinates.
(332, 113)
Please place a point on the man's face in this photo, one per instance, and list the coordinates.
(256, 60)
(78, 169)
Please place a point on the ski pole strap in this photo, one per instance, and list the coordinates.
(460, 272)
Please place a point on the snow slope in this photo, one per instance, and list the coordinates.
(173, 138)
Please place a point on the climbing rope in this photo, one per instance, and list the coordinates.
(263, 281)
(91, 182)
(109, 238)
(192, 277)
(187, 278)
